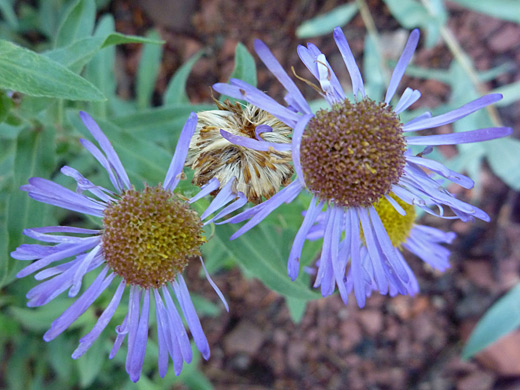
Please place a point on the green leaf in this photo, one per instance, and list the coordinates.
(503, 9)
(411, 13)
(119, 39)
(30, 73)
(176, 90)
(503, 317)
(90, 364)
(80, 52)
(100, 70)
(245, 68)
(34, 157)
(511, 94)
(262, 252)
(296, 308)
(148, 70)
(78, 23)
(324, 24)
(503, 155)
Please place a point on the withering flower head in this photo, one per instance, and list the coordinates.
(259, 174)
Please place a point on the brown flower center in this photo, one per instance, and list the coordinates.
(149, 236)
(353, 153)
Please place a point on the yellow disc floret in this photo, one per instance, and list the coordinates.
(149, 236)
(396, 225)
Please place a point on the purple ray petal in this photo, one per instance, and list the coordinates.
(205, 190)
(162, 340)
(70, 250)
(461, 138)
(250, 143)
(214, 285)
(262, 129)
(177, 330)
(293, 264)
(453, 115)
(241, 90)
(86, 341)
(224, 196)
(81, 270)
(241, 201)
(439, 168)
(286, 195)
(137, 358)
(183, 295)
(46, 191)
(355, 260)
(375, 256)
(350, 62)
(403, 62)
(409, 97)
(296, 145)
(122, 331)
(83, 184)
(173, 175)
(107, 147)
(79, 306)
(133, 323)
(277, 70)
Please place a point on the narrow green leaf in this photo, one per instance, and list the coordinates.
(245, 68)
(100, 70)
(120, 39)
(176, 90)
(80, 52)
(148, 70)
(511, 94)
(28, 72)
(34, 157)
(296, 308)
(324, 24)
(78, 23)
(503, 9)
(503, 317)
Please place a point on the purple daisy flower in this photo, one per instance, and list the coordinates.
(353, 155)
(147, 239)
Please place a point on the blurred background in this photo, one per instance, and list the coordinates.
(271, 341)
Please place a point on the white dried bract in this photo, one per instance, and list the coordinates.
(258, 174)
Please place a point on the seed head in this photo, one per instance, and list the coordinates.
(258, 174)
